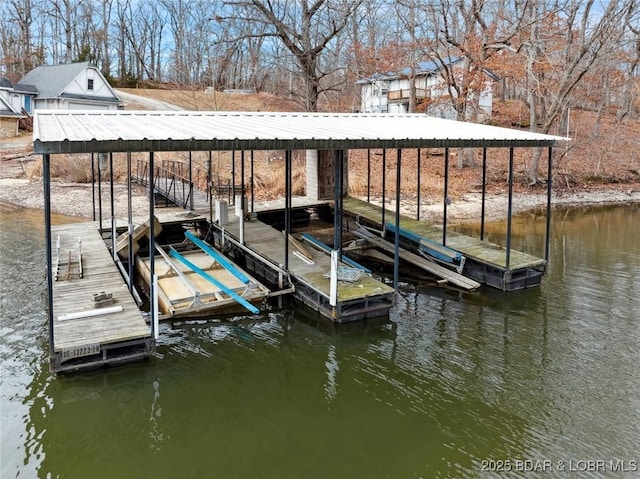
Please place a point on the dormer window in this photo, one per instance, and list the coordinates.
(90, 84)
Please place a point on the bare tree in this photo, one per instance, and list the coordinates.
(62, 14)
(464, 39)
(307, 30)
(631, 89)
(562, 48)
(17, 46)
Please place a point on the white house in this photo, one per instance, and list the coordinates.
(69, 86)
(389, 92)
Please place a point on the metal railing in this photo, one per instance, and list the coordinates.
(179, 184)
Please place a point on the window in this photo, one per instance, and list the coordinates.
(90, 84)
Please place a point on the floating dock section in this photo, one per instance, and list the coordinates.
(482, 261)
(96, 321)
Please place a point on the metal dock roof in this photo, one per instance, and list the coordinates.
(79, 131)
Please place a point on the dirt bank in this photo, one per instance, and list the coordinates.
(469, 207)
(76, 200)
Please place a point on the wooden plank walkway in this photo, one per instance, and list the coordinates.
(472, 248)
(75, 295)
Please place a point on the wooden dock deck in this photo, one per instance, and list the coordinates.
(485, 262)
(86, 331)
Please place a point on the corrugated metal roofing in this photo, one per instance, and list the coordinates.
(57, 131)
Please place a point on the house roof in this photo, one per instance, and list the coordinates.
(428, 67)
(6, 84)
(86, 131)
(425, 68)
(51, 80)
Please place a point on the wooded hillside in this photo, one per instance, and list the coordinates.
(553, 58)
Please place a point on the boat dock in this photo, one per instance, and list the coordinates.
(482, 261)
(96, 314)
(96, 320)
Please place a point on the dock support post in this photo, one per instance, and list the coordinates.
(509, 211)
(548, 226)
(113, 212)
(418, 189)
(191, 206)
(233, 178)
(384, 181)
(152, 247)
(252, 182)
(368, 176)
(446, 196)
(287, 206)
(100, 192)
(338, 211)
(130, 223)
(93, 185)
(242, 197)
(46, 181)
(210, 188)
(396, 247)
(484, 192)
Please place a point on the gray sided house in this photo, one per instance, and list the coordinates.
(69, 86)
(389, 92)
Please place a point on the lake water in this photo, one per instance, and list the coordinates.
(447, 384)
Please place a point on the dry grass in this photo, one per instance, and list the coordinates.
(199, 100)
(77, 168)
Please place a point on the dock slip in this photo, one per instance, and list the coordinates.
(96, 321)
(483, 261)
(264, 254)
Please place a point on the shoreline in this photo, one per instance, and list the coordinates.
(75, 199)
